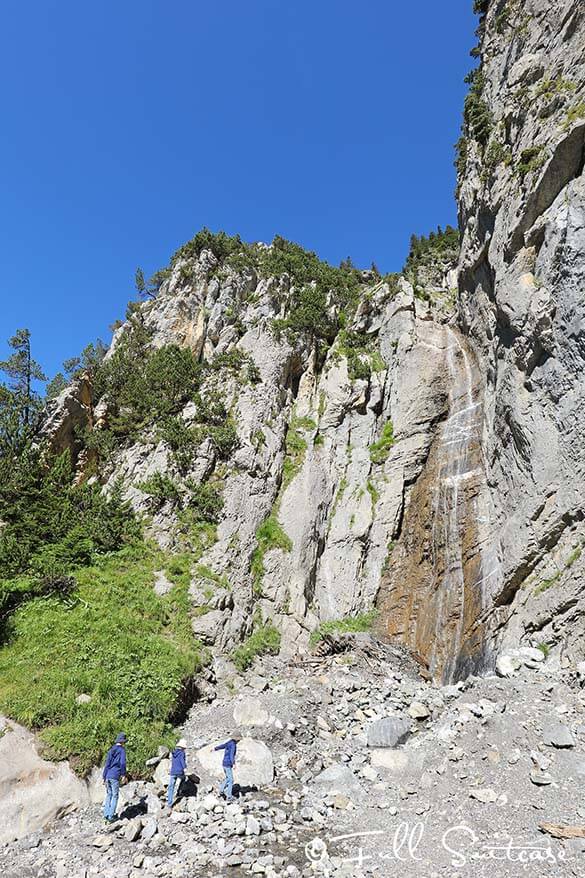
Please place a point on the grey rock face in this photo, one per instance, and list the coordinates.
(522, 269)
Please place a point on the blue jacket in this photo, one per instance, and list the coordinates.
(115, 766)
(229, 757)
(179, 762)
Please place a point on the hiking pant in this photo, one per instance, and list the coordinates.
(174, 783)
(228, 783)
(111, 801)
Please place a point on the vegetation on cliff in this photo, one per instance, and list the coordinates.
(78, 612)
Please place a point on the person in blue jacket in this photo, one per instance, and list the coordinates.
(229, 760)
(114, 771)
(178, 767)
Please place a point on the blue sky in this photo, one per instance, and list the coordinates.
(128, 125)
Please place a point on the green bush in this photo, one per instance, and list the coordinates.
(269, 535)
(347, 625)
(530, 161)
(129, 650)
(161, 487)
(265, 640)
(205, 501)
(380, 450)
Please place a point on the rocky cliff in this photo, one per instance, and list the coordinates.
(492, 544)
(387, 441)
(329, 436)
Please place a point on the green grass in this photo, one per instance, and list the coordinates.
(576, 112)
(270, 535)
(544, 648)
(265, 640)
(373, 492)
(574, 556)
(380, 450)
(350, 624)
(547, 583)
(115, 640)
(209, 575)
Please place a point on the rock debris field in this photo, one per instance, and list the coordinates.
(352, 766)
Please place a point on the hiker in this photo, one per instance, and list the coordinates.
(114, 772)
(229, 760)
(178, 766)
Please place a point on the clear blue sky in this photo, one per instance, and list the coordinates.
(128, 125)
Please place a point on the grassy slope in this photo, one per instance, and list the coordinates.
(115, 641)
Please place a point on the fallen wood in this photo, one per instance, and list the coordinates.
(560, 831)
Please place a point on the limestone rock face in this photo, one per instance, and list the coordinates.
(33, 792)
(522, 273)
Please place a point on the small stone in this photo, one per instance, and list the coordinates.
(485, 795)
(150, 829)
(388, 732)
(540, 778)
(83, 698)
(252, 826)
(133, 829)
(508, 665)
(418, 711)
(341, 802)
(102, 841)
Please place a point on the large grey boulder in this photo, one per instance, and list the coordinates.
(254, 764)
(33, 791)
(339, 778)
(388, 732)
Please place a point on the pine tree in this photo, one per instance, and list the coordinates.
(22, 370)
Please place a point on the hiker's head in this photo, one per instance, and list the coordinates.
(236, 737)
(121, 739)
(182, 743)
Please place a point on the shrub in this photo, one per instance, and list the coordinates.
(350, 624)
(269, 535)
(265, 640)
(205, 501)
(221, 245)
(476, 113)
(380, 450)
(530, 161)
(161, 487)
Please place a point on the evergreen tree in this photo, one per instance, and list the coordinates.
(55, 386)
(22, 370)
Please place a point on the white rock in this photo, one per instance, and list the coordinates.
(249, 712)
(33, 792)
(254, 765)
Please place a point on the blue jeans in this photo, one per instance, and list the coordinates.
(228, 783)
(174, 782)
(111, 802)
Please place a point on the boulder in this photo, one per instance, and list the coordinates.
(249, 712)
(162, 772)
(339, 778)
(507, 665)
(388, 732)
(558, 735)
(254, 765)
(33, 791)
